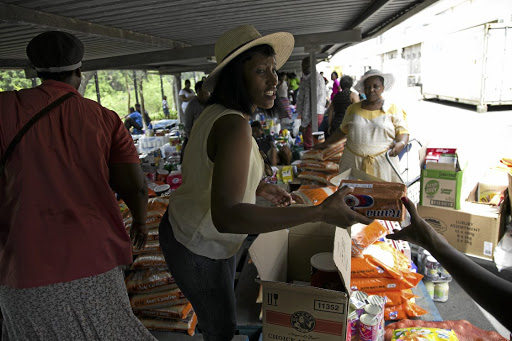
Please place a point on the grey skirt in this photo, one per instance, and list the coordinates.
(91, 308)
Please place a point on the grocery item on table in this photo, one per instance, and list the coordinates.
(373, 285)
(402, 311)
(186, 325)
(151, 246)
(426, 334)
(326, 153)
(180, 311)
(396, 297)
(158, 299)
(377, 199)
(312, 194)
(317, 165)
(379, 260)
(463, 329)
(323, 178)
(366, 236)
(150, 280)
(150, 260)
(324, 273)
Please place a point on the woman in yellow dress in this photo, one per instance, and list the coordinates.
(372, 128)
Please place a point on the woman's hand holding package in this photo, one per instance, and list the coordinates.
(275, 194)
(336, 212)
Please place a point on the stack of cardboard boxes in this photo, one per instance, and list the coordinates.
(472, 223)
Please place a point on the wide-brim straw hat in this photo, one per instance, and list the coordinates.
(389, 80)
(233, 42)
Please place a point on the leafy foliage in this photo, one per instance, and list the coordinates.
(116, 88)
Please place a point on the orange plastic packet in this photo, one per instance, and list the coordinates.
(313, 195)
(396, 297)
(367, 236)
(371, 285)
(403, 311)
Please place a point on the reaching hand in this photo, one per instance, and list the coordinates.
(396, 148)
(418, 232)
(338, 213)
(138, 234)
(275, 194)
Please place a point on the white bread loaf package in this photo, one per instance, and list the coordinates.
(377, 199)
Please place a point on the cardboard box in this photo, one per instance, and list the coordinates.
(301, 312)
(475, 229)
(441, 188)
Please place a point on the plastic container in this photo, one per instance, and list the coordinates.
(324, 273)
(441, 291)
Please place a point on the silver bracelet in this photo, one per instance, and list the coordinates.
(400, 142)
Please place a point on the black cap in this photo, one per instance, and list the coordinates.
(55, 51)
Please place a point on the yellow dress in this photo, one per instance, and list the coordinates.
(370, 134)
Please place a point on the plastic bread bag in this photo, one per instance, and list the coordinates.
(316, 165)
(324, 154)
(376, 199)
(312, 195)
(320, 177)
(365, 235)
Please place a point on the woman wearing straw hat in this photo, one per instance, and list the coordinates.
(212, 212)
(372, 128)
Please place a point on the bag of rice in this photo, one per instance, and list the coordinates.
(150, 260)
(158, 299)
(173, 312)
(185, 326)
(312, 195)
(150, 280)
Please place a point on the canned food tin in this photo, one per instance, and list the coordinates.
(376, 299)
(373, 309)
(324, 273)
(352, 324)
(368, 327)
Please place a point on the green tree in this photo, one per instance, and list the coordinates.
(14, 80)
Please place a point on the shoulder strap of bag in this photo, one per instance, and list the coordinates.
(27, 126)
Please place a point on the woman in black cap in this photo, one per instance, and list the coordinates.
(62, 238)
(212, 212)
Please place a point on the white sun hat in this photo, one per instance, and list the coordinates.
(389, 80)
(239, 39)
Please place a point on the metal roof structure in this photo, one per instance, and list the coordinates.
(173, 36)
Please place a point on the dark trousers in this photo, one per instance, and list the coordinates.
(207, 283)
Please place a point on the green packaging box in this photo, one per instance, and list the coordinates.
(441, 188)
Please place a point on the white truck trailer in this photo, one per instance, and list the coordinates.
(472, 66)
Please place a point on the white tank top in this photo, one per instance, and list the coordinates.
(189, 206)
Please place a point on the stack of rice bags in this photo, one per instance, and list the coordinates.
(380, 269)
(316, 168)
(154, 295)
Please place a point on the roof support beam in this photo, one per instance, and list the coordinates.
(17, 14)
(205, 51)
